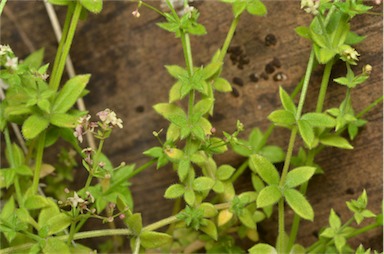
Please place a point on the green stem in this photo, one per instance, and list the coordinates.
(288, 156)
(106, 232)
(72, 232)
(291, 145)
(228, 39)
(305, 84)
(38, 162)
(2, 4)
(137, 246)
(152, 8)
(8, 143)
(142, 168)
(281, 242)
(239, 171)
(369, 107)
(311, 153)
(324, 86)
(303, 190)
(67, 45)
(63, 38)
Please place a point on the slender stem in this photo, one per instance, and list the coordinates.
(137, 246)
(369, 107)
(161, 223)
(38, 162)
(67, 45)
(59, 54)
(288, 156)
(142, 168)
(303, 190)
(305, 84)
(239, 171)
(152, 8)
(2, 4)
(281, 242)
(228, 39)
(324, 86)
(72, 232)
(8, 143)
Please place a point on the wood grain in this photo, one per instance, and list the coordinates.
(126, 57)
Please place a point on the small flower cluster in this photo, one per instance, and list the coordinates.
(310, 6)
(349, 54)
(78, 202)
(7, 58)
(108, 121)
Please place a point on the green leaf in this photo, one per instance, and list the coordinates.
(34, 125)
(35, 59)
(171, 112)
(303, 31)
(175, 92)
(274, 154)
(222, 85)
(238, 7)
(336, 141)
(94, 6)
(203, 106)
(58, 223)
(50, 211)
(297, 249)
(264, 169)
(268, 196)
(44, 105)
(224, 172)
(319, 120)
(63, 120)
(306, 132)
(211, 69)
(209, 228)
(299, 204)
(134, 222)
(298, 176)
(174, 191)
(54, 246)
(334, 220)
(247, 219)
(183, 169)
(209, 210)
(256, 7)
(190, 197)
(287, 101)
(151, 239)
(176, 71)
(60, 2)
(203, 183)
(353, 38)
(282, 117)
(325, 55)
(35, 202)
(69, 94)
(154, 152)
(262, 248)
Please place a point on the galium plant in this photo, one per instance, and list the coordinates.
(209, 213)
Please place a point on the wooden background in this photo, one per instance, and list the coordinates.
(126, 57)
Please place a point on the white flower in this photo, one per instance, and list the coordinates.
(75, 200)
(4, 49)
(136, 13)
(109, 117)
(11, 63)
(310, 6)
(351, 54)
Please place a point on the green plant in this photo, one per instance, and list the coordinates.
(34, 222)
